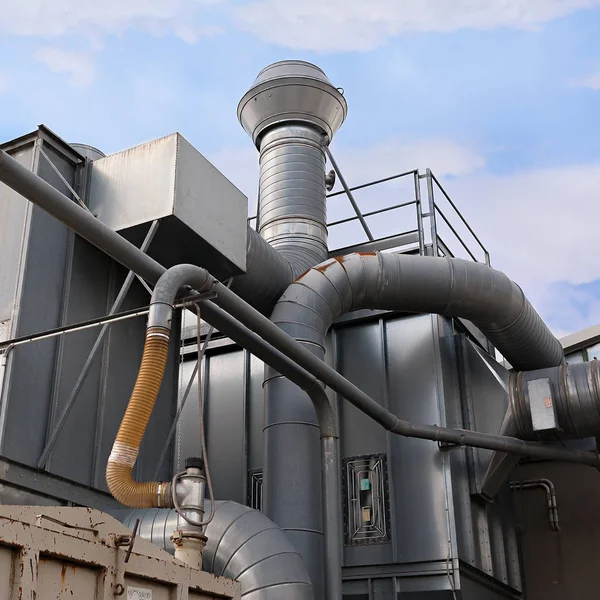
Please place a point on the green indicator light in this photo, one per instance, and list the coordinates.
(365, 484)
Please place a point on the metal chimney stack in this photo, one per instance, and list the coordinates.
(290, 112)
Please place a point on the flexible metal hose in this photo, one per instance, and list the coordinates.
(119, 470)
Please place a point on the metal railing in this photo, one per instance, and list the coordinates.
(425, 237)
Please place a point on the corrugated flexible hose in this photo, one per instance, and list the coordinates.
(119, 470)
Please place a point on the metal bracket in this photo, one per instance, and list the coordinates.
(127, 540)
(189, 301)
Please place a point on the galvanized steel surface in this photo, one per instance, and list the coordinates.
(286, 113)
(423, 284)
(396, 361)
(291, 90)
(79, 283)
(292, 213)
(242, 544)
(169, 179)
(377, 281)
(572, 397)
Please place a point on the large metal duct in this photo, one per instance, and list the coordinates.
(418, 284)
(290, 112)
(242, 544)
(560, 402)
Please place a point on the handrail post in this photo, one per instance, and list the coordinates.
(420, 231)
(431, 214)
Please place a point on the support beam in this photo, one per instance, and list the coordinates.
(89, 361)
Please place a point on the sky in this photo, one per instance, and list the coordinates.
(500, 98)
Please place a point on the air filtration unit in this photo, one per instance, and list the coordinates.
(363, 441)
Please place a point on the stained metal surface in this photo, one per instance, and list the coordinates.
(486, 538)
(559, 565)
(79, 282)
(50, 553)
(169, 179)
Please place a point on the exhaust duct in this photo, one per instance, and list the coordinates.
(291, 111)
(306, 311)
(560, 402)
(242, 544)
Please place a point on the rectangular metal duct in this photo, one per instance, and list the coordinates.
(203, 215)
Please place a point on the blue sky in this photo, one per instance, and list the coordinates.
(499, 97)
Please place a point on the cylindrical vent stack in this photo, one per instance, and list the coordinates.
(292, 211)
(291, 112)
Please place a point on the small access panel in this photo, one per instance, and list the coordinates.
(366, 500)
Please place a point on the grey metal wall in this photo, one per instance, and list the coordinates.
(52, 278)
(486, 535)
(413, 366)
(559, 564)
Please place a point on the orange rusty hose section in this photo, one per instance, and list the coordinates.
(119, 470)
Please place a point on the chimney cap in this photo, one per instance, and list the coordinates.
(292, 91)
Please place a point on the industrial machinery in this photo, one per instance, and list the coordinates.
(289, 419)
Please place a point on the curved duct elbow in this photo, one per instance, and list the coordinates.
(268, 274)
(242, 544)
(420, 284)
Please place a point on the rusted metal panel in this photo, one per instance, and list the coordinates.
(58, 553)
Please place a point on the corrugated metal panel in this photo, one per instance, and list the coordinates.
(58, 279)
(40, 297)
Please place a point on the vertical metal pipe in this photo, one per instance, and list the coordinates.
(431, 214)
(332, 522)
(246, 421)
(419, 206)
(292, 208)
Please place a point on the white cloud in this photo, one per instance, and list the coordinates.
(338, 25)
(445, 157)
(96, 19)
(77, 65)
(591, 80)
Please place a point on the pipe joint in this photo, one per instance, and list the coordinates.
(160, 315)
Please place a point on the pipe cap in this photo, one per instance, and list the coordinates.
(292, 91)
(194, 463)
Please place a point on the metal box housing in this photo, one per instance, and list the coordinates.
(203, 215)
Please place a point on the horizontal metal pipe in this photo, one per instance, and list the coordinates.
(372, 183)
(44, 195)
